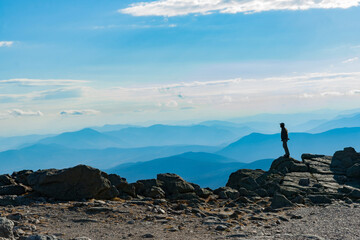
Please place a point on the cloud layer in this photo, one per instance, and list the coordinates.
(171, 8)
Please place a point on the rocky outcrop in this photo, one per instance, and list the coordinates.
(317, 179)
(80, 182)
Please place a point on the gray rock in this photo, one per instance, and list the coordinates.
(345, 159)
(354, 171)
(42, 237)
(81, 238)
(14, 200)
(17, 189)
(354, 194)
(261, 192)
(21, 176)
(6, 179)
(280, 201)
(143, 187)
(304, 182)
(202, 192)
(125, 189)
(156, 193)
(80, 182)
(299, 199)
(173, 184)
(148, 235)
(221, 228)
(285, 165)
(319, 199)
(6, 228)
(244, 178)
(227, 193)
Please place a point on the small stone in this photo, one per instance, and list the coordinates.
(173, 229)
(220, 228)
(148, 235)
(42, 237)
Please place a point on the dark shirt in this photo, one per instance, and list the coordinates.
(284, 134)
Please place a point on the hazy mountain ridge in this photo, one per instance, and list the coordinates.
(205, 169)
(40, 156)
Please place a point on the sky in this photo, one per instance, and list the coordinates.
(71, 64)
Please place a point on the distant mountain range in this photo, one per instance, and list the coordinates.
(352, 120)
(7, 143)
(205, 169)
(156, 135)
(41, 156)
(204, 153)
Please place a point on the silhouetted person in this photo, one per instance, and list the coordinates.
(285, 139)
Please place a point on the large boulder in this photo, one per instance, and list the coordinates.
(345, 158)
(244, 178)
(143, 187)
(80, 182)
(173, 184)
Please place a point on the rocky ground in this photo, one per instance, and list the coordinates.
(316, 198)
(145, 219)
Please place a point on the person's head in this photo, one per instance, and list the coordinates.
(282, 125)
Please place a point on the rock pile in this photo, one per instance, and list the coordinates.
(317, 179)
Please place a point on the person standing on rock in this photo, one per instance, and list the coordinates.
(285, 139)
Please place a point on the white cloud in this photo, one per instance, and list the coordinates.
(6, 43)
(79, 112)
(172, 104)
(23, 113)
(42, 82)
(170, 8)
(351, 60)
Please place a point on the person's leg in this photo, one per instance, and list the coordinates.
(287, 153)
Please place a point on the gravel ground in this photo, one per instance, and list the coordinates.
(118, 220)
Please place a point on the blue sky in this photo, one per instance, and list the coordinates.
(89, 62)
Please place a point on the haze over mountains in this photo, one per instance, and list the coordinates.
(203, 153)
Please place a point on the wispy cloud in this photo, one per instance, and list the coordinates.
(351, 60)
(79, 112)
(133, 26)
(172, 8)
(52, 94)
(42, 82)
(6, 43)
(24, 113)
